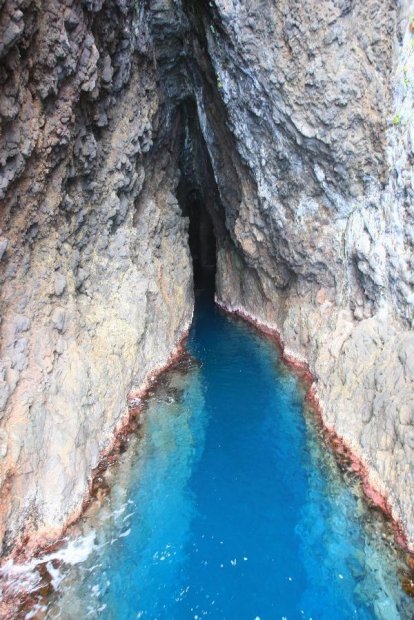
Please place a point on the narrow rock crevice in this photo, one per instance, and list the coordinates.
(202, 240)
(198, 196)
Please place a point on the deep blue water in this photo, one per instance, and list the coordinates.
(230, 507)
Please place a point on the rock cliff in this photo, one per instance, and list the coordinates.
(293, 121)
(322, 237)
(95, 272)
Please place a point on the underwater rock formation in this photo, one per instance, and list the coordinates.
(292, 122)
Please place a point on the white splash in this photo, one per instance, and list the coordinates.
(18, 578)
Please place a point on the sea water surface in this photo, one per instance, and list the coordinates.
(228, 505)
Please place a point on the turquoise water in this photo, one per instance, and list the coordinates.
(227, 505)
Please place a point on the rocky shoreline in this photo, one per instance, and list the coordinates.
(33, 548)
(339, 446)
(15, 598)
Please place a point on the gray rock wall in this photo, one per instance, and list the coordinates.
(319, 102)
(96, 279)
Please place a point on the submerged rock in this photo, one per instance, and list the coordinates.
(407, 583)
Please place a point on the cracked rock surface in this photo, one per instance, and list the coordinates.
(320, 103)
(96, 281)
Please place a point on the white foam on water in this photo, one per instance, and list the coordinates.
(117, 513)
(76, 551)
(56, 575)
(24, 577)
(19, 577)
(35, 611)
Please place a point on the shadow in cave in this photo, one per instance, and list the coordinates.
(199, 200)
(202, 242)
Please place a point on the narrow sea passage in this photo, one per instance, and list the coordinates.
(229, 506)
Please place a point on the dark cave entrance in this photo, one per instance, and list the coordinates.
(199, 198)
(202, 241)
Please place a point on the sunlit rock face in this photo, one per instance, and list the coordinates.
(291, 121)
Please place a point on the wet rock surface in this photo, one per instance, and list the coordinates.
(304, 137)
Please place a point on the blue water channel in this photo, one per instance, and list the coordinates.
(228, 505)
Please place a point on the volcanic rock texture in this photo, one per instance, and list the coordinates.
(96, 271)
(293, 120)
